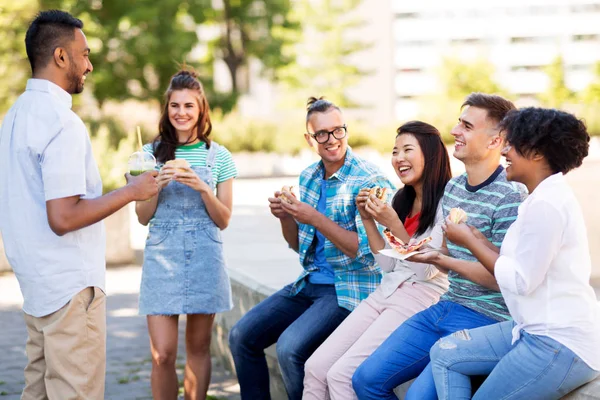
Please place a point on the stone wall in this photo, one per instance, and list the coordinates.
(247, 293)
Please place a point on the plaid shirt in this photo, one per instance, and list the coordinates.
(355, 278)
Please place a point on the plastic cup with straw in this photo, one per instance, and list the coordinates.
(141, 161)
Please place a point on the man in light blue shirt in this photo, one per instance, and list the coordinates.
(51, 208)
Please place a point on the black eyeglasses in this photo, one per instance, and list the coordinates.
(323, 136)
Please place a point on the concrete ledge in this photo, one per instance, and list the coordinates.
(247, 292)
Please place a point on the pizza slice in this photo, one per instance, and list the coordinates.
(402, 247)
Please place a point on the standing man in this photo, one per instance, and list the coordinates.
(324, 227)
(473, 298)
(51, 208)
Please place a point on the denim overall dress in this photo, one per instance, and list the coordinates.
(184, 269)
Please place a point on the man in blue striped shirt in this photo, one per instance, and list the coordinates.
(473, 298)
(326, 230)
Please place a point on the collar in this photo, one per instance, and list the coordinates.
(549, 182)
(43, 85)
(483, 184)
(342, 173)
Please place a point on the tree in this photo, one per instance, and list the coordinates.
(459, 79)
(557, 93)
(137, 45)
(15, 17)
(323, 55)
(591, 94)
(247, 29)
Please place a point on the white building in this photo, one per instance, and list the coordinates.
(411, 38)
(519, 37)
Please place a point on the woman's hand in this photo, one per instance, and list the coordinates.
(361, 202)
(189, 178)
(382, 212)
(165, 176)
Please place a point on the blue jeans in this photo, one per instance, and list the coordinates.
(535, 367)
(405, 353)
(299, 324)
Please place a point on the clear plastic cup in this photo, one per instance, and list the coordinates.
(140, 162)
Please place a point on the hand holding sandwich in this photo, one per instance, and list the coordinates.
(382, 212)
(301, 212)
(276, 207)
(459, 234)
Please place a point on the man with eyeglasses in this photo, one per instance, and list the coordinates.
(326, 230)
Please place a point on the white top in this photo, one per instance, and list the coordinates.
(45, 154)
(544, 271)
(398, 271)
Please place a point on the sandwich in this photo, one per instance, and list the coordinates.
(286, 193)
(180, 164)
(458, 215)
(379, 192)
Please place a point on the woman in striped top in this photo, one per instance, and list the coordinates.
(184, 270)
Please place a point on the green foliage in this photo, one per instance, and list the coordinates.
(323, 64)
(591, 94)
(14, 67)
(111, 158)
(257, 29)
(138, 45)
(252, 135)
(557, 94)
(459, 79)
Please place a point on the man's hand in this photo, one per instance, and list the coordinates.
(459, 234)
(276, 207)
(301, 212)
(144, 186)
(165, 176)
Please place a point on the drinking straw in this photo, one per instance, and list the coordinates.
(139, 135)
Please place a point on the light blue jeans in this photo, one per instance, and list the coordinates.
(535, 367)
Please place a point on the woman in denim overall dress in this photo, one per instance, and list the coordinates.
(184, 269)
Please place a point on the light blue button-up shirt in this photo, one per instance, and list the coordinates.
(46, 154)
(355, 278)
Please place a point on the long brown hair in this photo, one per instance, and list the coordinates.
(167, 141)
(436, 175)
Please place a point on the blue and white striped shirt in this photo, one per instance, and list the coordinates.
(491, 207)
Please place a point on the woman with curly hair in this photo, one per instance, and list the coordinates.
(543, 270)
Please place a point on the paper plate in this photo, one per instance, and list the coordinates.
(394, 254)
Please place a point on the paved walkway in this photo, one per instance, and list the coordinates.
(128, 356)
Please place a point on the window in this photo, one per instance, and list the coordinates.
(527, 68)
(590, 37)
(532, 39)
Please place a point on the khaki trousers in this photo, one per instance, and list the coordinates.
(67, 350)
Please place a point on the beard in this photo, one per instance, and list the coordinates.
(75, 80)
